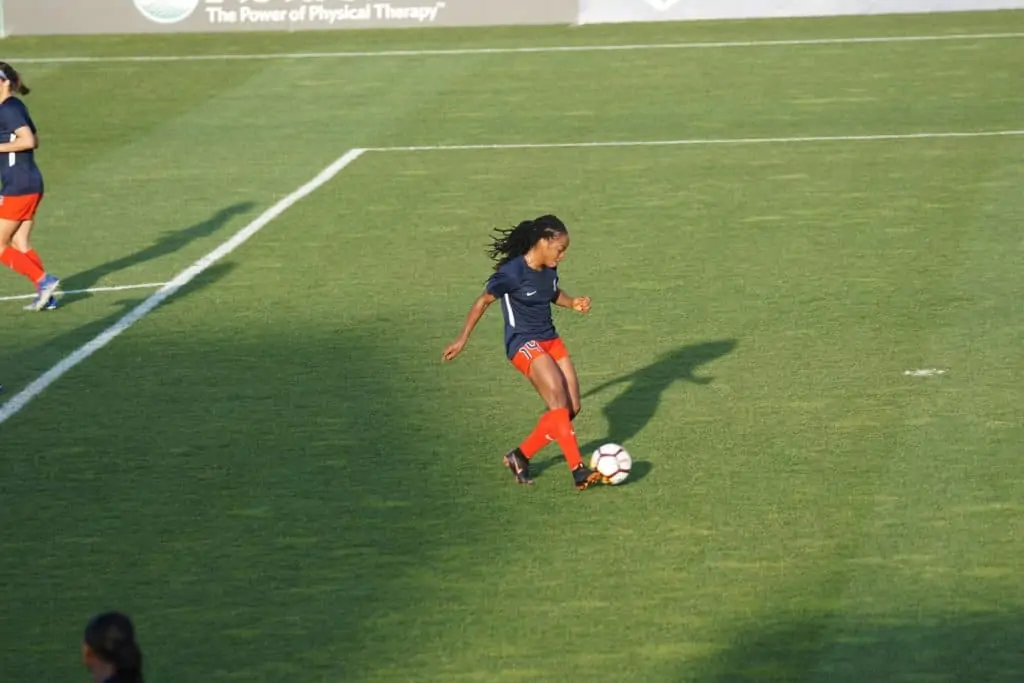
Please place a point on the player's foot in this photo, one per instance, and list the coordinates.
(45, 289)
(51, 305)
(519, 466)
(585, 477)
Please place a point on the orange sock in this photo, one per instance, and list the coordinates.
(34, 256)
(21, 263)
(539, 437)
(566, 437)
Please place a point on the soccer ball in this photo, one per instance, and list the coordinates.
(613, 461)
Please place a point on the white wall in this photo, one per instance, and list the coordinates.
(605, 11)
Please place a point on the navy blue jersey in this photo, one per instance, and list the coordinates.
(525, 295)
(18, 171)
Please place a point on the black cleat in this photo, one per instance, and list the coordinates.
(585, 477)
(519, 466)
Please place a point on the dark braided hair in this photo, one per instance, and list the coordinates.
(8, 74)
(510, 244)
(112, 638)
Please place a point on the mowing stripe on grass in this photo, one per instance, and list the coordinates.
(798, 42)
(91, 290)
(25, 396)
(702, 141)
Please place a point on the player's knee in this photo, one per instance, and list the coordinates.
(556, 401)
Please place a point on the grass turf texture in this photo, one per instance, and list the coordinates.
(279, 485)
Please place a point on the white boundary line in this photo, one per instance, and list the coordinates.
(798, 42)
(118, 288)
(703, 141)
(13, 406)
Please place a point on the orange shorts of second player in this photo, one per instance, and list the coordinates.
(532, 350)
(19, 207)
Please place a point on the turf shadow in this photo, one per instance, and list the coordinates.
(950, 648)
(168, 244)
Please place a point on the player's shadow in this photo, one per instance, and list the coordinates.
(19, 369)
(629, 412)
(165, 245)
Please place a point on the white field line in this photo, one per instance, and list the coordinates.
(551, 49)
(20, 400)
(91, 290)
(704, 141)
(13, 406)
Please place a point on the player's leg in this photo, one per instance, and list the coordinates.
(21, 242)
(12, 257)
(518, 459)
(14, 213)
(556, 349)
(555, 424)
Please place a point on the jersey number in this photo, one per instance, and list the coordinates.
(531, 350)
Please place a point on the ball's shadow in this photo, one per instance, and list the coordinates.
(640, 469)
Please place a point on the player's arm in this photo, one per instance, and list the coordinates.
(24, 140)
(476, 311)
(580, 304)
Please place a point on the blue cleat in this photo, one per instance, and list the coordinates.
(44, 299)
(51, 305)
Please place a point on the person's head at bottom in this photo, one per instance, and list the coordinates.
(109, 650)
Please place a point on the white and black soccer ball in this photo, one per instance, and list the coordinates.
(613, 461)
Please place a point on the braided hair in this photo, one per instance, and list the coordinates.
(112, 638)
(510, 244)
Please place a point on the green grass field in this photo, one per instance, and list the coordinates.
(277, 478)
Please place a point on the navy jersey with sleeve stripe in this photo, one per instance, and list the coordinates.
(525, 296)
(18, 171)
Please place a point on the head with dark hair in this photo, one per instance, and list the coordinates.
(11, 79)
(543, 241)
(110, 651)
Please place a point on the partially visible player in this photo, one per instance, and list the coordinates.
(525, 280)
(109, 649)
(22, 190)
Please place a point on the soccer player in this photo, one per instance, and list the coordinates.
(22, 190)
(109, 650)
(525, 280)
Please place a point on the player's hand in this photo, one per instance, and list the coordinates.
(581, 304)
(453, 349)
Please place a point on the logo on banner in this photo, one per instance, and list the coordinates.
(166, 11)
(295, 13)
(662, 5)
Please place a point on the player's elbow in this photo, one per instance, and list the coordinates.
(27, 142)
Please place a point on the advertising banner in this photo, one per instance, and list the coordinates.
(613, 11)
(56, 17)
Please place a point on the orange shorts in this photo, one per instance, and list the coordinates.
(532, 350)
(20, 207)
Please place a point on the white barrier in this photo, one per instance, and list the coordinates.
(56, 17)
(614, 11)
